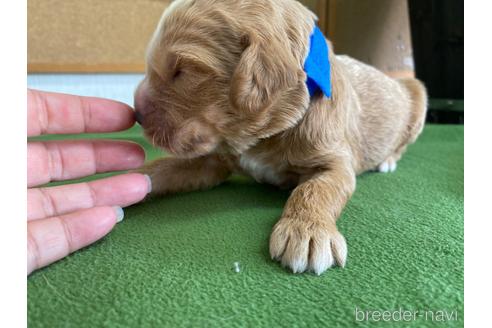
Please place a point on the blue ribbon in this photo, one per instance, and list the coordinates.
(317, 65)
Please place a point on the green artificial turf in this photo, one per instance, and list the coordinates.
(170, 262)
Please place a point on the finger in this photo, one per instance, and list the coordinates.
(62, 160)
(55, 113)
(122, 190)
(51, 239)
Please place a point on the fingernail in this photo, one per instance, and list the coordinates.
(149, 182)
(119, 213)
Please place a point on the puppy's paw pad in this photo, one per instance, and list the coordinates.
(388, 165)
(303, 246)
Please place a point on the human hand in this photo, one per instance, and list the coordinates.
(63, 219)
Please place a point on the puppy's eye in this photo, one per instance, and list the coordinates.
(177, 73)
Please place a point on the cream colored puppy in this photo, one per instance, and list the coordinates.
(225, 91)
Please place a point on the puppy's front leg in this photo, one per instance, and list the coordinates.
(306, 237)
(171, 175)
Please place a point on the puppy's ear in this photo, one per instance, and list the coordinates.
(265, 69)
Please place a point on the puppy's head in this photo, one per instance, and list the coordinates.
(223, 74)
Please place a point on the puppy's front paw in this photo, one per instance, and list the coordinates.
(307, 245)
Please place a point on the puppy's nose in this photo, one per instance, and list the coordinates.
(139, 117)
(141, 102)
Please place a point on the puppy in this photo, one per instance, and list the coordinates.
(225, 91)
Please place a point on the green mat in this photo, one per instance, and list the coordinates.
(170, 262)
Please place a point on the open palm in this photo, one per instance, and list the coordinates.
(65, 218)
